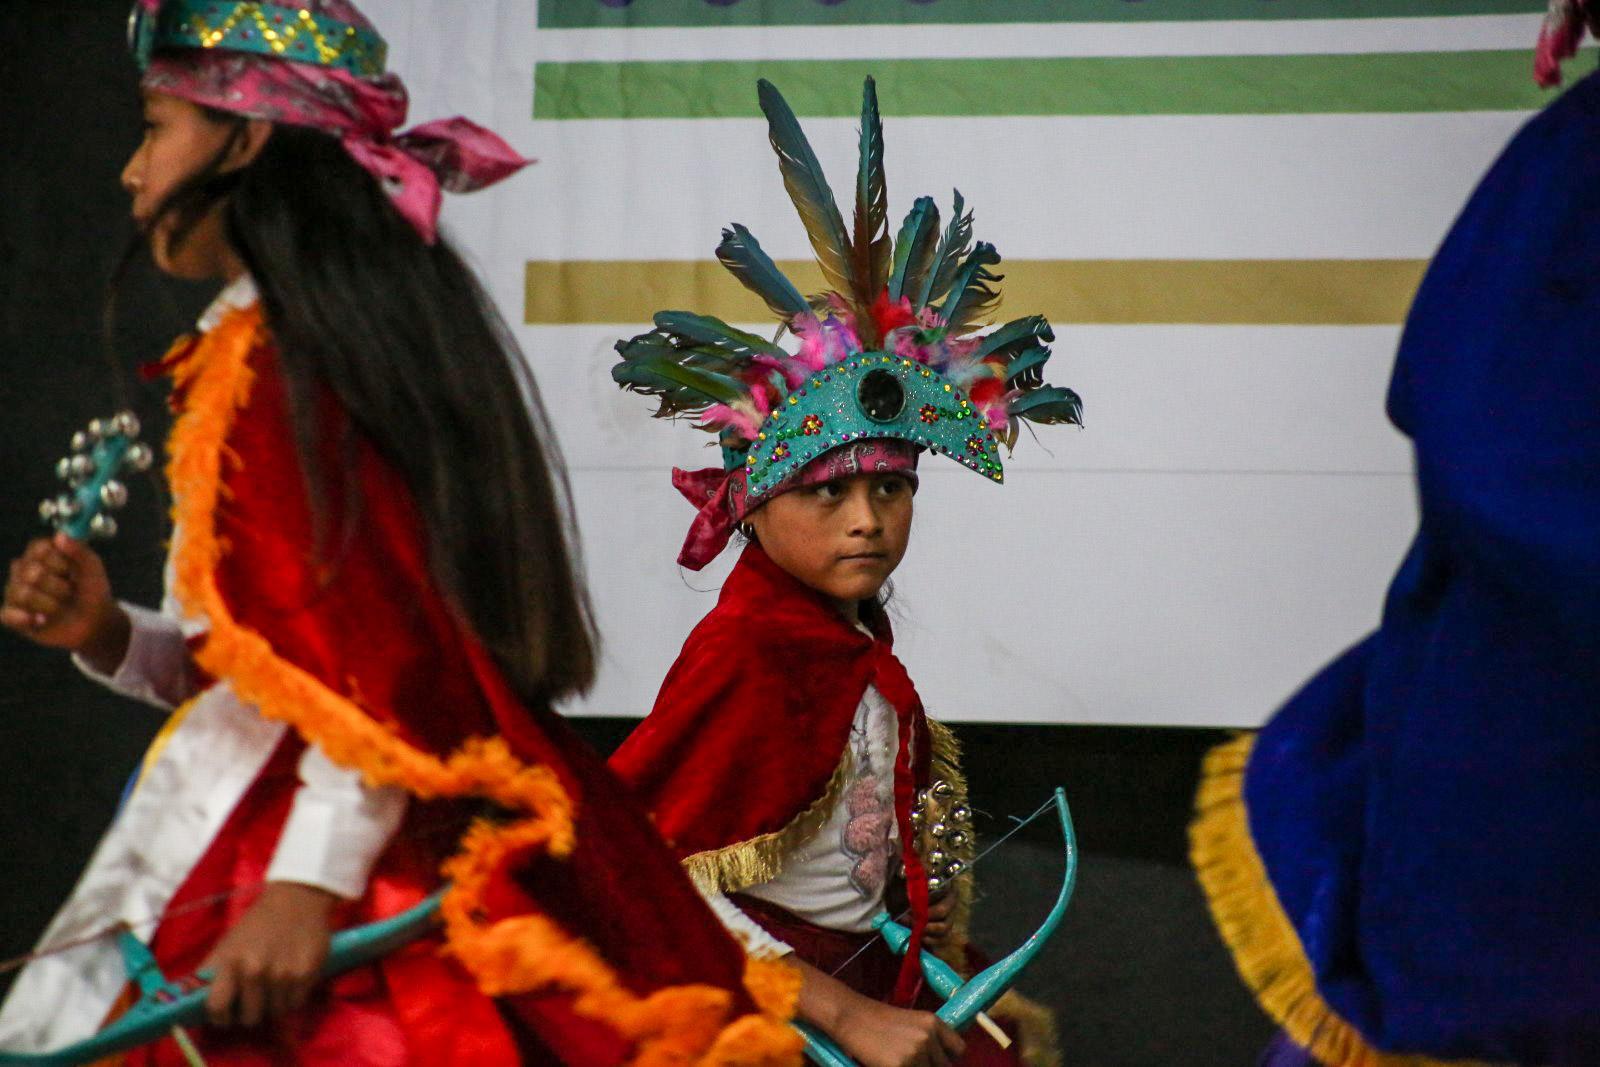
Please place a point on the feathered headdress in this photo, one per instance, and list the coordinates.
(891, 350)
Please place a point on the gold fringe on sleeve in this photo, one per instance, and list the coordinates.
(1265, 947)
(761, 858)
(676, 1025)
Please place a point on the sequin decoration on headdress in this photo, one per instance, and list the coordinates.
(889, 353)
(1560, 36)
(317, 64)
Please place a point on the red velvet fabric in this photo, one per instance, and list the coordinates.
(373, 627)
(753, 719)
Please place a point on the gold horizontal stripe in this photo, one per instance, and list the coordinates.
(1290, 292)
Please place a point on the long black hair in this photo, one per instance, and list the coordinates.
(425, 369)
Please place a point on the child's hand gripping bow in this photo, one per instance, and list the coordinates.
(966, 1000)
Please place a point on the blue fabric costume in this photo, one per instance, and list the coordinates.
(1405, 861)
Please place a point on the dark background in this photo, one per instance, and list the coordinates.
(1136, 974)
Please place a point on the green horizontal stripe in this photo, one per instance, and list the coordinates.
(1500, 80)
(580, 14)
(1276, 292)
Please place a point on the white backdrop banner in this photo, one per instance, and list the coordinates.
(1223, 206)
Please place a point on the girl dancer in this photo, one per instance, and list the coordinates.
(372, 607)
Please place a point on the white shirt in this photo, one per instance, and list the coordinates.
(837, 877)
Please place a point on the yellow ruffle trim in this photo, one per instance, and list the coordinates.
(673, 1026)
(1266, 949)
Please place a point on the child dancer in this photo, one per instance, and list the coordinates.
(372, 606)
(788, 759)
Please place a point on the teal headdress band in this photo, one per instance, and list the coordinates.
(869, 395)
(275, 30)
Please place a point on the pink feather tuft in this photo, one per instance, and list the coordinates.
(745, 415)
(907, 346)
(727, 417)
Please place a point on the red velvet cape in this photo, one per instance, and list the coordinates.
(755, 715)
(374, 629)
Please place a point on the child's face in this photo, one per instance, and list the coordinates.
(842, 538)
(179, 141)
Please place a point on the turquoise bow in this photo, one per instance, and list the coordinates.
(964, 1000)
(165, 1007)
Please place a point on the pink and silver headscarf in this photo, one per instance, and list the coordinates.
(724, 498)
(413, 167)
(1560, 36)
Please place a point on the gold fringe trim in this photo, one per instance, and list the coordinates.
(945, 756)
(673, 1026)
(761, 858)
(1265, 947)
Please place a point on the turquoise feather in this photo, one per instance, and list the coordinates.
(1026, 369)
(870, 247)
(1024, 345)
(1016, 335)
(741, 253)
(970, 296)
(954, 247)
(914, 248)
(808, 188)
(739, 346)
(652, 364)
(1048, 405)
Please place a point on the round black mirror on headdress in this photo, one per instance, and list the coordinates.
(880, 396)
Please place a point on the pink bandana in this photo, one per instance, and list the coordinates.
(1560, 36)
(413, 167)
(724, 497)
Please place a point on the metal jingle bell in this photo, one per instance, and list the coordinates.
(139, 457)
(64, 468)
(82, 466)
(125, 423)
(961, 812)
(81, 441)
(103, 526)
(943, 790)
(99, 428)
(959, 839)
(935, 886)
(939, 829)
(954, 869)
(113, 494)
(938, 858)
(47, 511)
